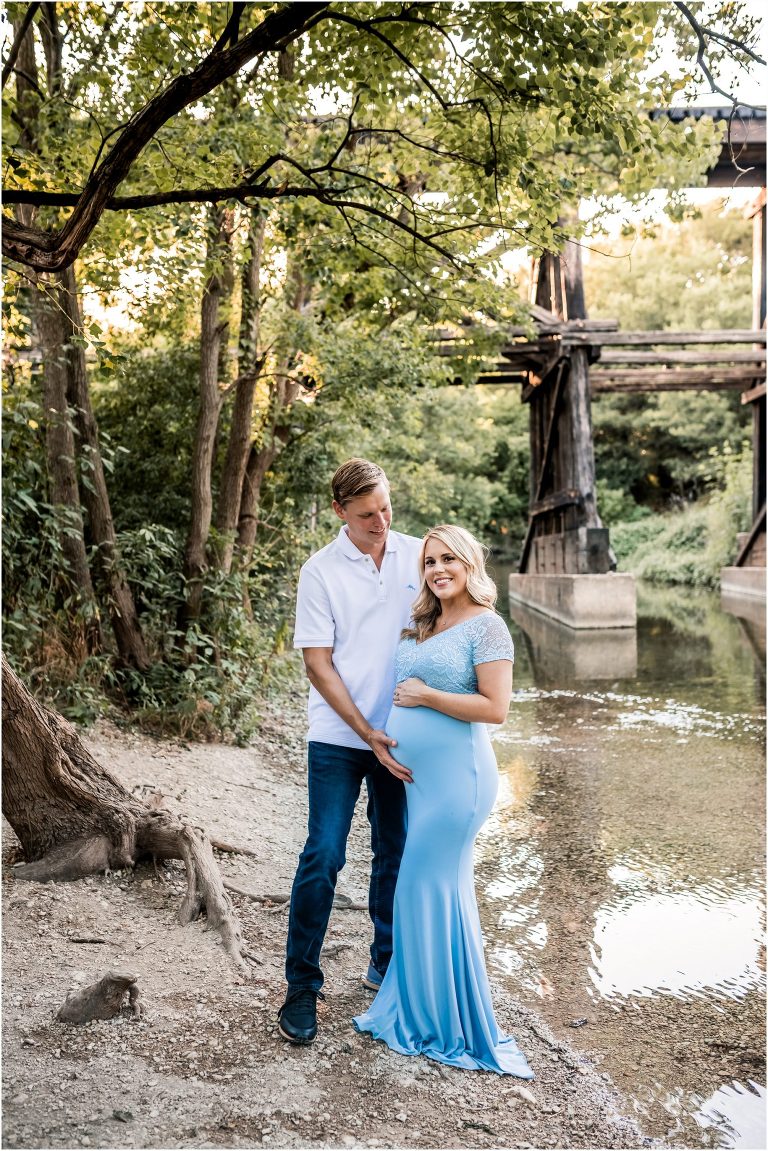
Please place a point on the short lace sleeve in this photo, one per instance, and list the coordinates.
(491, 640)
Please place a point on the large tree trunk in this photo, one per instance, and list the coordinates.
(213, 339)
(122, 609)
(250, 364)
(60, 459)
(59, 441)
(73, 817)
(28, 102)
(64, 494)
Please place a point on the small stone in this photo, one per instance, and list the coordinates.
(122, 1116)
(401, 1117)
(524, 1094)
(20, 1098)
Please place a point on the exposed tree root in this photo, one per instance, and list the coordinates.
(341, 902)
(256, 896)
(103, 999)
(74, 818)
(232, 849)
(72, 860)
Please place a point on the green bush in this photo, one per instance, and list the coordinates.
(692, 545)
(207, 681)
(617, 506)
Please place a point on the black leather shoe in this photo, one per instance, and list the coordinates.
(298, 1015)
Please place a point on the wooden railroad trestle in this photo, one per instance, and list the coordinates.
(572, 358)
(569, 360)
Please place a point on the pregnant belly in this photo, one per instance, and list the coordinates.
(426, 737)
(455, 778)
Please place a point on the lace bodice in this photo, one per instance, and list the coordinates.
(447, 660)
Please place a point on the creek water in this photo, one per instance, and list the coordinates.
(621, 875)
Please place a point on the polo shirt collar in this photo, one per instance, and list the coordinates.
(354, 553)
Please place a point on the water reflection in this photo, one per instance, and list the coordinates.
(556, 651)
(737, 1113)
(621, 874)
(697, 942)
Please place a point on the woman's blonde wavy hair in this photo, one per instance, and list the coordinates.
(480, 587)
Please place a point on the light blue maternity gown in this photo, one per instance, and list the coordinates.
(435, 999)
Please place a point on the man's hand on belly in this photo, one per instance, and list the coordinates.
(380, 744)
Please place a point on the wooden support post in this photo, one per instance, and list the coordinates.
(581, 432)
(758, 322)
(542, 451)
(758, 456)
(750, 543)
(565, 534)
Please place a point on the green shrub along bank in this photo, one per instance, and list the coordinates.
(692, 544)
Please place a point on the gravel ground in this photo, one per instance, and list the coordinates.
(206, 1067)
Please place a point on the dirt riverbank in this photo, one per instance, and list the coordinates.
(206, 1066)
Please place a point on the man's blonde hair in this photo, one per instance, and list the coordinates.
(356, 478)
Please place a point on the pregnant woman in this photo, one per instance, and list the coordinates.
(454, 676)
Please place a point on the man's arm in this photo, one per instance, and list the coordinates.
(324, 677)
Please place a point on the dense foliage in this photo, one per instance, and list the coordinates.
(385, 158)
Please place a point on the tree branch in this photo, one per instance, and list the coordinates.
(701, 33)
(17, 41)
(368, 26)
(49, 251)
(232, 29)
(330, 196)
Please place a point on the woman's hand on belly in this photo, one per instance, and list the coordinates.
(412, 692)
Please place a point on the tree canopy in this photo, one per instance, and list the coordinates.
(452, 126)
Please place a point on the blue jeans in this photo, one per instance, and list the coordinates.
(334, 779)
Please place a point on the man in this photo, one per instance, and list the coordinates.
(354, 599)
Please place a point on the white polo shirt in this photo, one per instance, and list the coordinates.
(346, 603)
